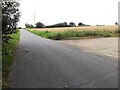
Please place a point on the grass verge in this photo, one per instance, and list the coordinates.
(8, 54)
(71, 34)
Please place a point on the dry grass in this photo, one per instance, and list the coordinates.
(82, 28)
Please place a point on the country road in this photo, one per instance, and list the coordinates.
(44, 63)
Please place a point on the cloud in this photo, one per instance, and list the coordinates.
(53, 11)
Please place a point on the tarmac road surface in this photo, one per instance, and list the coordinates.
(44, 63)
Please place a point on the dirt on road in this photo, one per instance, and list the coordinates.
(104, 46)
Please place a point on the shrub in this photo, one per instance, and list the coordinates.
(57, 36)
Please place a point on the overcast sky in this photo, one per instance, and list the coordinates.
(49, 12)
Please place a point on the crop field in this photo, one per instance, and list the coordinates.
(82, 28)
(76, 32)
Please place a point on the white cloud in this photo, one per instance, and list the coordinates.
(54, 11)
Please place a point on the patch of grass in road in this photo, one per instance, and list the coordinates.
(8, 54)
(73, 34)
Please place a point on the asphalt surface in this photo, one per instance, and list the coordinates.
(44, 63)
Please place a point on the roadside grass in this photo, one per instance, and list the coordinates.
(8, 54)
(72, 34)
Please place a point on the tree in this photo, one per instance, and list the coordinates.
(116, 23)
(40, 25)
(80, 24)
(63, 24)
(29, 25)
(72, 24)
(10, 17)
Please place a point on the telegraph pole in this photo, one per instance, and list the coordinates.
(34, 18)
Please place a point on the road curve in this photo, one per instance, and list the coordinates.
(44, 63)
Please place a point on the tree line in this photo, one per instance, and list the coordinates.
(63, 24)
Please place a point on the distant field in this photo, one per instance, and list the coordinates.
(82, 28)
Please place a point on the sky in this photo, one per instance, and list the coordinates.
(92, 12)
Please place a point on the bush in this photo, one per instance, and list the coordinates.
(57, 36)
